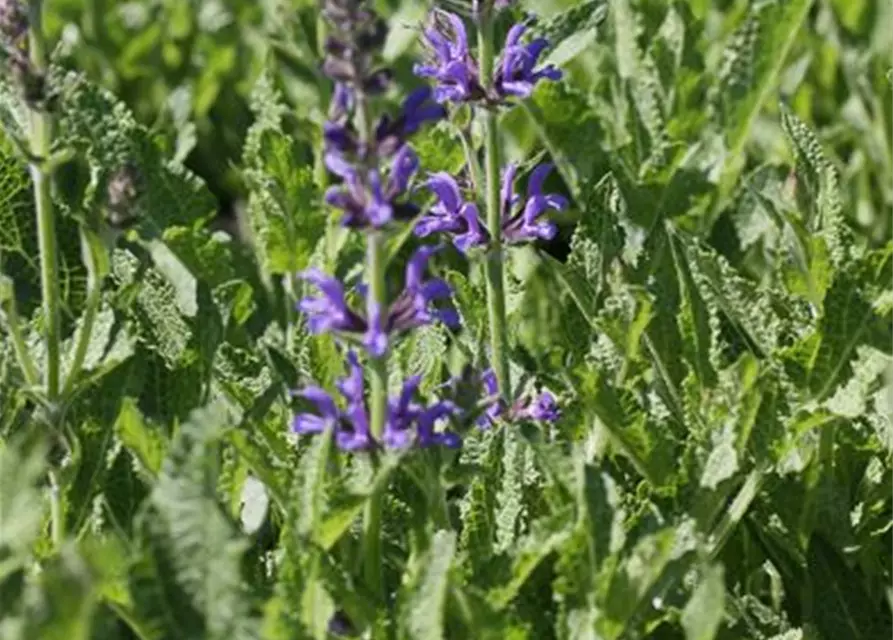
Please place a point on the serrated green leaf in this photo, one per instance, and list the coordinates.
(426, 616)
(703, 613)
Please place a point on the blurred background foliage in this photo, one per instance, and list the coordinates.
(187, 67)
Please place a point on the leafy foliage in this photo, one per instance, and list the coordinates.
(714, 318)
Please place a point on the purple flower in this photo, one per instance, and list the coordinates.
(451, 215)
(515, 75)
(426, 421)
(369, 202)
(451, 66)
(526, 225)
(494, 404)
(417, 109)
(422, 301)
(461, 219)
(351, 426)
(415, 306)
(407, 422)
(541, 409)
(455, 71)
(342, 102)
(328, 312)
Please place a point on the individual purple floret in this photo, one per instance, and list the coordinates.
(328, 313)
(456, 73)
(515, 73)
(417, 109)
(461, 220)
(391, 133)
(422, 301)
(408, 423)
(525, 224)
(451, 215)
(414, 307)
(451, 64)
(542, 408)
(369, 202)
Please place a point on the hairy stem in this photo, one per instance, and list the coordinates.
(376, 268)
(91, 310)
(26, 364)
(57, 522)
(494, 267)
(41, 135)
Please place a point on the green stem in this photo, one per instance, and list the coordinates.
(372, 544)
(378, 408)
(471, 159)
(57, 525)
(376, 268)
(32, 378)
(378, 369)
(91, 310)
(41, 135)
(494, 267)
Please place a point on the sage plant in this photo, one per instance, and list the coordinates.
(376, 165)
(461, 76)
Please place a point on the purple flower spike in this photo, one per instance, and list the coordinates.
(415, 305)
(330, 311)
(526, 225)
(450, 214)
(516, 76)
(451, 64)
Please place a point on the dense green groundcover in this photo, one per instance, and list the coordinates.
(714, 318)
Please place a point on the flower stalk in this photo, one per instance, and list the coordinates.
(40, 138)
(378, 413)
(494, 261)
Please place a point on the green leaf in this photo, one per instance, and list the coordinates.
(20, 513)
(601, 513)
(822, 360)
(703, 613)
(205, 546)
(285, 214)
(545, 537)
(146, 442)
(818, 189)
(425, 614)
(633, 580)
(840, 605)
(61, 604)
(751, 64)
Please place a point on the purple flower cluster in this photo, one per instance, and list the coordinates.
(422, 301)
(408, 422)
(521, 218)
(375, 166)
(359, 158)
(455, 71)
(541, 408)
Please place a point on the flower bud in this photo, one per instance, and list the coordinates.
(123, 192)
(30, 82)
(13, 20)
